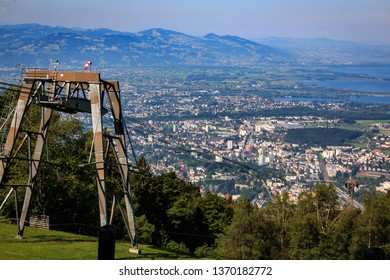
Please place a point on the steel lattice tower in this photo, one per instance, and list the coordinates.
(70, 92)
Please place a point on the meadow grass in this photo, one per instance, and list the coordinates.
(40, 244)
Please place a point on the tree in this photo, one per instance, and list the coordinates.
(145, 230)
(312, 224)
(64, 190)
(171, 205)
(340, 236)
(249, 236)
(372, 228)
(218, 213)
(147, 199)
(281, 209)
(187, 223)
(304, 236)
(326, 204)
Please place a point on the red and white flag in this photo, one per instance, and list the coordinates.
(87, 64)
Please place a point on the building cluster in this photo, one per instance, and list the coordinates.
(190, 147)
(200, 135)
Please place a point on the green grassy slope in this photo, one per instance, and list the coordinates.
(39, 244)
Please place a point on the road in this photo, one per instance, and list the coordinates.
(341, 192)
(347, 198)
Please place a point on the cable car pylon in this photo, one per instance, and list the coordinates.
(70, 92)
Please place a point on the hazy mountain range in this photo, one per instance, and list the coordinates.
(36, 45)
(325, 50)
(33, 44)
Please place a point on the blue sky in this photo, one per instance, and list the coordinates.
(354, 20)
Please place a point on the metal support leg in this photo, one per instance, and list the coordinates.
(96, 110)
(35, 163)
(121, 158)
(6, 198)
(17, 212)
(20, 111)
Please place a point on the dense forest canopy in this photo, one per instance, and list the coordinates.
(321, 136)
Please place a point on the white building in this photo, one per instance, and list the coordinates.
(230, 145)
(384, 187)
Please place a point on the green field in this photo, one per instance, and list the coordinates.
(360, 125)
(39, 244)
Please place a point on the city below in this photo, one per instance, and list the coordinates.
(258, 132)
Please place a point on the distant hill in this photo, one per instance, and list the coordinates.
(36, 45)
(324, 50)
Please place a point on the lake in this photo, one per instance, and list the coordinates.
(377, 99)
(377, 71)
(378, 86)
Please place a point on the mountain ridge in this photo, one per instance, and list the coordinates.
(34, 45)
